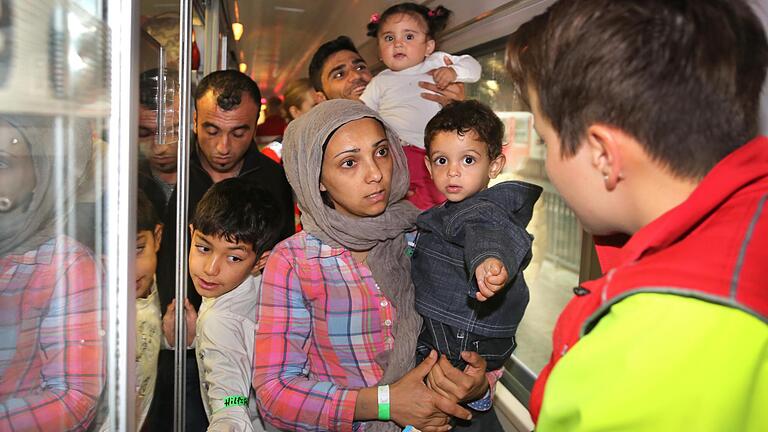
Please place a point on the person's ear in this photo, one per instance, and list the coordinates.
(191, 230)
(430, 47)
(294, 112)
(605, 144)
(158, 234)
(323, 188)
(496, 166)
(320, 97)
(429, 166)
(194, 121)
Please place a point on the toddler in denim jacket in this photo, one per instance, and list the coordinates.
(471, 251)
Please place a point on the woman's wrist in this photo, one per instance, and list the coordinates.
(366, 404)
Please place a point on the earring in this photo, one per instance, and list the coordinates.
(5, 204)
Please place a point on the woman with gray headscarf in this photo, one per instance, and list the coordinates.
(51, 352)
(337, 323)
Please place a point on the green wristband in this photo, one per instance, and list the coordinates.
(383, 399)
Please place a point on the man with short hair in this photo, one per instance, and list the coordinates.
(650, 123)
(157, 148)
(338, 71)
(227, 105)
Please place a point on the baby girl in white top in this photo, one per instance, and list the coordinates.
(406, 39)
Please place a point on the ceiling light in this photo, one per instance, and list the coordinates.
(243, 67)
(237, 30)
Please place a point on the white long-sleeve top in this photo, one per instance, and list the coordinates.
(148, 335)
(226, 326)
(397, 95)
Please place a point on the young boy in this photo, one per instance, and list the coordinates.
(471, 251)
(649, 116)
(148, 318)
(234, 223)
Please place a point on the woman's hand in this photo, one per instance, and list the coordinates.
(412, 403)
(458, 386)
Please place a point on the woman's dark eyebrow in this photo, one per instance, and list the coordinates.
(352, 150)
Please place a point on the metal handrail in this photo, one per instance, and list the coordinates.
(182, 185)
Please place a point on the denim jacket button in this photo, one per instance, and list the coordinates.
(388, 322)
(384, 303)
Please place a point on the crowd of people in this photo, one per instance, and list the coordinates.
(352, 269)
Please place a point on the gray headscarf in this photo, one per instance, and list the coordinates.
(384, 235)
(43, 214)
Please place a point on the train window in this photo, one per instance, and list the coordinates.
(554, 270)
(65, 214)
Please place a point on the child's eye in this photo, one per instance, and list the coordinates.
(202, 248)
(469, 160)
(338, 75)
(382, 151)
(410, 36)
(389, 38)
(235, 259)
(140, 249)
(349, 163)
(441, 160)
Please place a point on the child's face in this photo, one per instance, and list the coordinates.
(404, 42)
(218, 266)
(460, 165)
(147, 245)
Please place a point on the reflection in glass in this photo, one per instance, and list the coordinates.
(52, 359)
(554, 269)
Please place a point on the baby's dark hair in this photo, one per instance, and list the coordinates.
(464, 116)
(240, 213)
(146, 216)
(436, 19)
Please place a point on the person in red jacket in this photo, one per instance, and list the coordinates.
(649, 112)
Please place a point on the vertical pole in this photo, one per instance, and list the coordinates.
(182, 184)
(121, 213)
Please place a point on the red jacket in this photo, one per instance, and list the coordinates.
(713, 246)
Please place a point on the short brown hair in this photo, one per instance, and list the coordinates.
(464, 116)
(682, 77)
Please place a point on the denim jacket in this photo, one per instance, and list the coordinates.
(455, 238)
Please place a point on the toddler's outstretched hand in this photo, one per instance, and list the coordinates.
(491, 277)
(444, 76)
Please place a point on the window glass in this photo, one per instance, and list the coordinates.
(554, 269)
(54, 113)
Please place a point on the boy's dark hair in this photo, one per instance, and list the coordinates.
(146, 216)
(682, 77)
(228, 87)
(341, 43)
(464, 116)
(240, 213)
(149, 81)
(436, 19)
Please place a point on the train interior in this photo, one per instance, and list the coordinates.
(76, 68)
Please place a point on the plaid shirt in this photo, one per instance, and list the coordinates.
(51, 352)
(322, 320)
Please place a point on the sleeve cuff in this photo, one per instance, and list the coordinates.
(483, 404)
